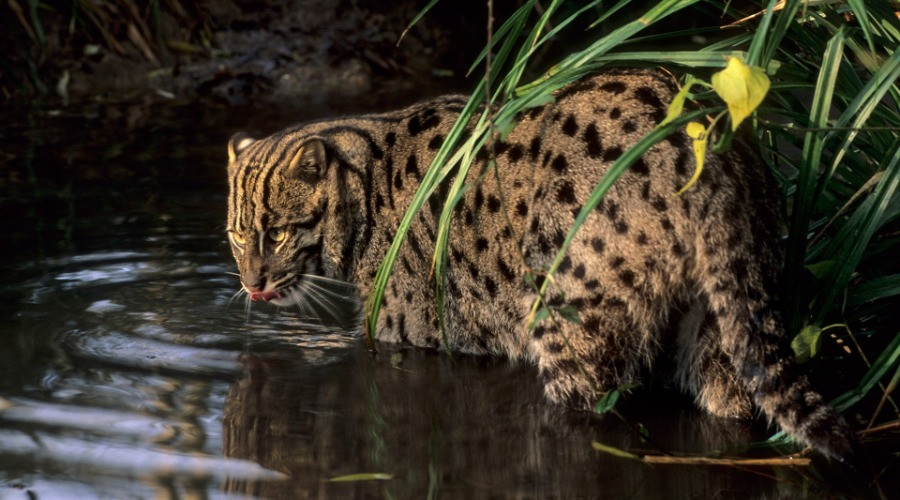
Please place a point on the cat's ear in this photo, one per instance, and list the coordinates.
(309, 161)
(238, 143)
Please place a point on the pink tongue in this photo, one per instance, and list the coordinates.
(265, 295)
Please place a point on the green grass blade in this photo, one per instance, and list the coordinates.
(804, 201)
(862, 17)
(416, 19)
(873, 209)
(882, 287)
(754, 53)
(864, 105)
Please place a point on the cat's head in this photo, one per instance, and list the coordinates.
(278, 207)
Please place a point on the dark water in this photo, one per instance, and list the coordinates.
(127, 370)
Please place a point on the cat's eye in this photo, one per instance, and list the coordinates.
(237, 239)
(277, 235)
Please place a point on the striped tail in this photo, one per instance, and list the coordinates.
(738, 272)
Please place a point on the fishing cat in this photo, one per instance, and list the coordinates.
(689, 278)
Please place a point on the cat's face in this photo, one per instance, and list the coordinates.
(276, 211)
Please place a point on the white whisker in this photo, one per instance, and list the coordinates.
(327, 279)
(323, 301)
(327, 291)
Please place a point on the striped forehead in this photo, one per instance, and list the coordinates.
(254, 171)
(252, 185)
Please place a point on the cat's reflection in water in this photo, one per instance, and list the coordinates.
(466, 428)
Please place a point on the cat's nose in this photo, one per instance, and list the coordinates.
(256, 285)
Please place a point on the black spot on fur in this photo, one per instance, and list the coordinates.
(412, 166)
(428, 120)
(570, 126)
(614, 87)
(612, 154)
(612, 210)
(677, 140)
(468, 217)
(560, 164)
(592, 139)
(539, 331)
(660, 204)
(597, 245)
(579, 271)
(559, 238)
(535, 148)
(473, 271)
(681, 163)
(591, 285)
(481, 244)
(649, 97)
(565, 193)
(677, 249)
(390, 138)
(666, 224)
(628, 127)
(435, 143)
(522, 208)
(616, 261)
(575, 88)
(615, 302)
(379, 202)
(491, 286)
(398, 181)
(493, 204)
(479, 199)
(645, 190)
(627, 277)
(615, 113)
(401, 326)
(535, 224)
(505, 270)
(621, 227)
(641, 238)
(516, 152)
(592, 323)
(565, 265)
(640, 167)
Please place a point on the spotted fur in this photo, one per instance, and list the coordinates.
(689, 278)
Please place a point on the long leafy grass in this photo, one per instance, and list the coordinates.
(829, 128)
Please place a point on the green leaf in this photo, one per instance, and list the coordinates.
(607, 401)
(541, 314)
(806, 343)
(363, 476)
(742, 88)
(821, 269)
(612, 450)
(570, 313)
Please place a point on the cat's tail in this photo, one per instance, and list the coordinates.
(737, 272)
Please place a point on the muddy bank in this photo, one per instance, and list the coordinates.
(234, 52)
